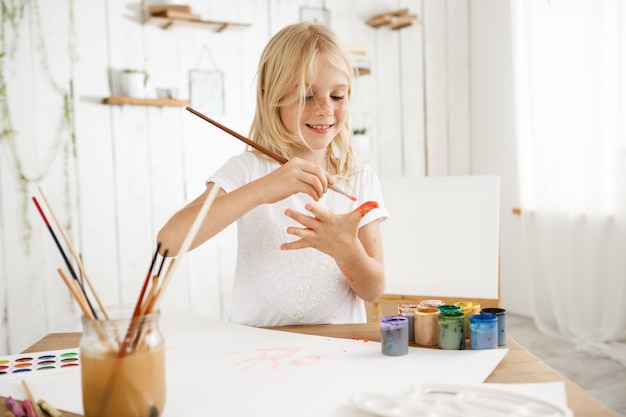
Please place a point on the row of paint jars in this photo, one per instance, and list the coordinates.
(431, 323)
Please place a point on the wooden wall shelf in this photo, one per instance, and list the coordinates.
(394, 20)
(168, 22)
(119, 100)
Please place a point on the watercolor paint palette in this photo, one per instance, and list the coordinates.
(456, 401)
(27, 364)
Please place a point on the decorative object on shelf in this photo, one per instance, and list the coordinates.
(394, 20)
(361, 142)
(134, 82)
(167, 92)
(206, 84)
(119, 100)
(315, 15)
(169, 15)
(173, 11)
(206, 91)
(361, 62)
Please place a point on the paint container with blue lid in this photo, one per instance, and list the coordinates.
(394, 335)
(483, 331)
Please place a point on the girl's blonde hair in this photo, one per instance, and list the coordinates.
(290, 59)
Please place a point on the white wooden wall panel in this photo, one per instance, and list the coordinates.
(435, 59)
(135, 166)
(92, 124)
(388, 90)
(412, 87)
(30, 276)
(4, 335)
(458, 87)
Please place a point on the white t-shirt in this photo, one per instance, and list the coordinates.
(273, 287)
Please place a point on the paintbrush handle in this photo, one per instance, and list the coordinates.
(76, 257)
(67, 261)
(244, 139)
(258, 147)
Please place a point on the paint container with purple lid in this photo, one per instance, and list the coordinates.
(394, 335)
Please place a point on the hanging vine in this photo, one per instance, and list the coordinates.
(13, 12)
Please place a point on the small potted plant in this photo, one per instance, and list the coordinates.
(134, 82)
(361, 141)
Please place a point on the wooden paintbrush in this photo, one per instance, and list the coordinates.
(79, 262)
(65, 258)
(259, 148)
(191, 235)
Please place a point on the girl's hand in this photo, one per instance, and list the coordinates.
(335, 235)
(295, 176)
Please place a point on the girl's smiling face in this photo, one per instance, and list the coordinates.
(326, 108)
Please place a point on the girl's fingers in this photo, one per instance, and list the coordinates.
(306, 221)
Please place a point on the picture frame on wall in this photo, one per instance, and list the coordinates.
(206, 91)
(315, 14)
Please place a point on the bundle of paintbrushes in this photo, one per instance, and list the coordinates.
(153, 285)
(148, 297)
(123, 371)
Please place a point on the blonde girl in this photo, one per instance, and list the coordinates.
(305, 255)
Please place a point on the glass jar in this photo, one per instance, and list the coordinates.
(394, 335)
(427, 326)
(122, 366)
(408, 311)
(483, 331)
(452, 330)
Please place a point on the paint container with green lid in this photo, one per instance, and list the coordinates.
(451, 330)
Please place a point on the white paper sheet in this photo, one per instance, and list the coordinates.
(223, 369)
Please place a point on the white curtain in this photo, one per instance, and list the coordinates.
(570, 63)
